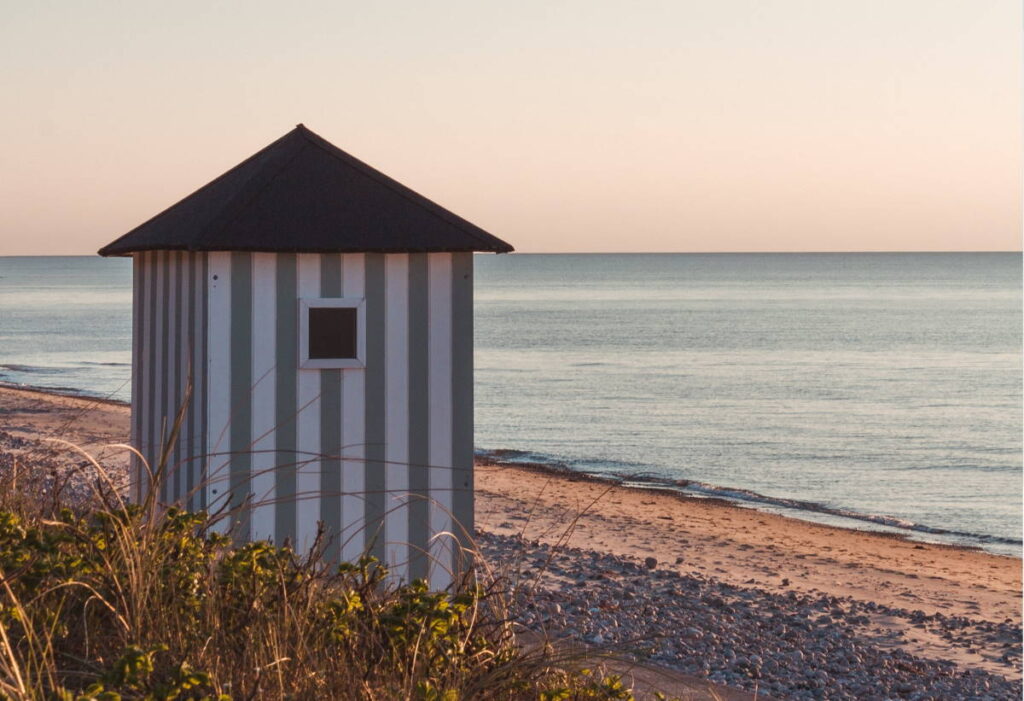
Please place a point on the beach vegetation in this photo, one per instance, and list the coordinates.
(108, 600)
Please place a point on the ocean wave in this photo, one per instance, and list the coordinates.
(64, 389)
(694, 488)
(34, 369)
(973, 467)
(527, 457)
(748, 496)
(55, 389)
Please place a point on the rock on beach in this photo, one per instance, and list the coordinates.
(787, 646)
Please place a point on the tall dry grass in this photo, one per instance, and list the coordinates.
(107, 600)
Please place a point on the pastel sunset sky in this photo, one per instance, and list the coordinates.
(590, 125)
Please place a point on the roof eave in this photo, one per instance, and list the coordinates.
(117, 252)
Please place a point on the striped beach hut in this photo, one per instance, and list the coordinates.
(320, 316)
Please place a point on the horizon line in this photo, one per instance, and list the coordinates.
(619, 253)
(609, 253)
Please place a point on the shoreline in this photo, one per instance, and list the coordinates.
(502, 488)
(492, 458)
(940, 608)
(66, 392)
(657, 487)
(641, 482)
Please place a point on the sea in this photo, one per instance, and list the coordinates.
(878, 391)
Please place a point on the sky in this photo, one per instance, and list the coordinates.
(591, 125)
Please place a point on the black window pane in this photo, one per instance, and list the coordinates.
(332, 332)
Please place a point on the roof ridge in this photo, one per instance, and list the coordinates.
(398, 188)
(247, 195)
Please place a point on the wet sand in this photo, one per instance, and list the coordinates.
(744, 547)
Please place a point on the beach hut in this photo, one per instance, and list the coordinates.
(320, 314)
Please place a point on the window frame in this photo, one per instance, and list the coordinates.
(307, 303)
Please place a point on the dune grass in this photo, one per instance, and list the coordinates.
(108, 600)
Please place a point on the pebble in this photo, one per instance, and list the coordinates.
(789, 646)
(54, 469)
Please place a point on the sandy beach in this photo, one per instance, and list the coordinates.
(744, 547)
(955, 613)
(957, 608)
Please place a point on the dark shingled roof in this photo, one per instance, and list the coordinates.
(302, 194)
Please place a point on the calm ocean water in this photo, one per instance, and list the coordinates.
(870, 390)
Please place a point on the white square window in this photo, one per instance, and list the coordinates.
(332, 333)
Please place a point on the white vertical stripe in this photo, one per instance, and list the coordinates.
(160, 363)
(353, 417)
(198, 468)
(219, 371)
(396, 430)
(307, 391)
(439, 387)
(264, 405)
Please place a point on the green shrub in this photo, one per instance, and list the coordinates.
(134, 602)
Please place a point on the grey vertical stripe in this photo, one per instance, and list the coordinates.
(179, 369)
(149, 446)
(287, 350)
(202, 365)
(163, 350)
(167, 350)
(190, 358)
(138, 364)
(167, 358)
(170, 379)
(151, 413)
(164, 370)
(374, 405)
(419, 408)
(241, 386)
(161, 389)
(462, 391)
(330, 423)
